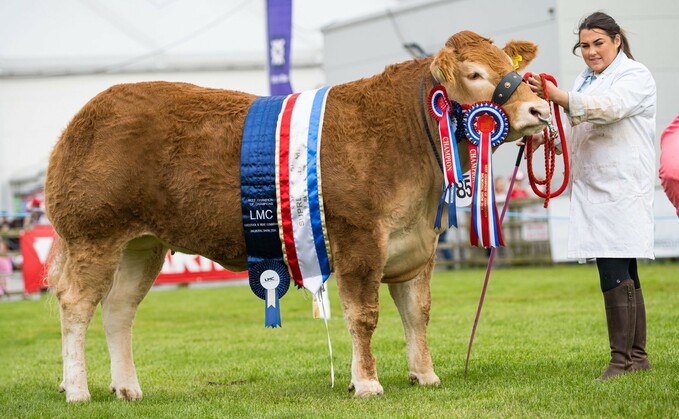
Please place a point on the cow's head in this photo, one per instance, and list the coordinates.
(471, 66)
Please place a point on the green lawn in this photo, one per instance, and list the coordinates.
(540, 344)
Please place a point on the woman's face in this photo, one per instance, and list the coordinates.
(598, 49)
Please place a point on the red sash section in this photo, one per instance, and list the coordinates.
(284, 175)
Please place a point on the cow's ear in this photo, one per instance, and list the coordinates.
(521, 53)
(442, 66)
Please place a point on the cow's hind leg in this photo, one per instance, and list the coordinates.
(360, 302)
(139, 266)
(358, 273)
(413, 299)
(85, 276)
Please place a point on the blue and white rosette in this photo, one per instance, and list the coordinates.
(270, 280)
(486, 126)
(474, 134)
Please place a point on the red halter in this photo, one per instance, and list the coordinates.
(550, 134)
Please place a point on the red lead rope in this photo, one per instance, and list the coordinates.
(550, 151)
(550, 160)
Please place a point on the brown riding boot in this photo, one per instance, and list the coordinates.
(639, 356)
(621, 319)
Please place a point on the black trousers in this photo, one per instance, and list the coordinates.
(612, 271)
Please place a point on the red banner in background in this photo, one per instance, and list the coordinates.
(179, 268)
(182, 268)
(35, 249)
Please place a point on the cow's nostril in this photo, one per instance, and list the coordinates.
(539, 112)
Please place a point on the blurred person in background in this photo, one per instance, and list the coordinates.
(519, 191)
(6, 267)
(500, 185)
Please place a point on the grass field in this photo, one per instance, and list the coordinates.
(540, 344)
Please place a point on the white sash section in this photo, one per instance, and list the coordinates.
(299, 194)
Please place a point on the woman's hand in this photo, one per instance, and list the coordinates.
(556, 95)
(535, 84)
(536, 142)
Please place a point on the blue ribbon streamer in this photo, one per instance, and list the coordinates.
(447, 196)
(258, 202)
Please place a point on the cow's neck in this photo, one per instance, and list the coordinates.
(400, 100)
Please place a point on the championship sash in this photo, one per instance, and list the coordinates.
(300, 198)
(281, 196)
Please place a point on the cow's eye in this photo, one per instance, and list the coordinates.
(474, 76)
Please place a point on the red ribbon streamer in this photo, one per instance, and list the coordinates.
(484, 216)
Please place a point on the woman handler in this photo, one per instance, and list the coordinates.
(612, 111)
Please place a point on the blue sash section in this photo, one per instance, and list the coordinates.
(313, 174)
(258, 203)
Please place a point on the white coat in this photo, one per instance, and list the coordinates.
(613, 164)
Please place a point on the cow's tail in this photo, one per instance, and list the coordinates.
(55, 263)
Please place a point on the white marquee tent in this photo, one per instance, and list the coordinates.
(56, 55)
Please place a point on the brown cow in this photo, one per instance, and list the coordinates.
(148, 167)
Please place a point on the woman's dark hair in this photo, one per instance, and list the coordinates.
(600, 20)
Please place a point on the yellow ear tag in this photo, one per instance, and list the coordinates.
(516, 59)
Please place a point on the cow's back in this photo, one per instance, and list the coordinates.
(153, 158)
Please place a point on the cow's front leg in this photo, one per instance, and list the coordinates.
(413, 299)
(360, 304)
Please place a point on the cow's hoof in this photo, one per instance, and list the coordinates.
(367, 388)
(129, 393)
(429, 379)
(75, 395)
